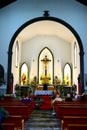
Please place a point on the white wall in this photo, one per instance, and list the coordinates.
(61, 51)
(21, 11)
(75, 70)
(15, 70)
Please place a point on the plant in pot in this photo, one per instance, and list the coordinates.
(3, 114)
(34, 84)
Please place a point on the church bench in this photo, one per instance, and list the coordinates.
(23, 111)
(68, 105)
(9, 126)
(13, 118)
(73, 120)
(15, 123)
(14, 102)
(71, 110)
(77, 127)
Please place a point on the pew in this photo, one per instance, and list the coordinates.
(14, 106)
(9, 126)
(72, 114)
(24, 111)
(70, 108)
(69, 103)
(77, 127)
(73, 120)
(16, 125)
(18, 113)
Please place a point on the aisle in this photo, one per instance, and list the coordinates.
(42, 120)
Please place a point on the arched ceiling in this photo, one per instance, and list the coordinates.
(47, 28)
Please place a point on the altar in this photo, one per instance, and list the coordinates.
(43, 92)
(49, 87)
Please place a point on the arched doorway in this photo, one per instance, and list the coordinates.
(81, 53)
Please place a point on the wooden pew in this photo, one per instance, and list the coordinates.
(66, 108)
(18, 112)
(71, 110)
(13, 125)
(65, 103)
(77, 127)
(18, 121)
(14, 106)
(73, 120)
(24, 111)
(15, 102)
(8, 126)
(72, 114)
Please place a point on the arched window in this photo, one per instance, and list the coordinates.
(24, 74)
(75, 55)
(45, 66)
(67, 74)
(16, 54)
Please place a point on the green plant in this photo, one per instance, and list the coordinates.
(33, 83)
(17, 91)
(3, 112)
(60, 88)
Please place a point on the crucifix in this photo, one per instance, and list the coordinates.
(45, 61)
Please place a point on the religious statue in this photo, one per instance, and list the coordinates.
(45, 61)
(23, 78)
(45, 78)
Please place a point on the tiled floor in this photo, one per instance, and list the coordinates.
(42, 120)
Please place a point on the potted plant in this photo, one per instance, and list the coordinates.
(3, 114)
(34, 83)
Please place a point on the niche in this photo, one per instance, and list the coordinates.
(24, 74)
(67, 74)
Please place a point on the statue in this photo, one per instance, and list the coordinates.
(45, 79)
(45, 61)
(23, 78)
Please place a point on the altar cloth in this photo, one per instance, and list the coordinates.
(43, 92)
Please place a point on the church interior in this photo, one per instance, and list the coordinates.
(36, 58)
(45, 59)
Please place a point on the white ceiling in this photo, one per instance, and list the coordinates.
(46, 27)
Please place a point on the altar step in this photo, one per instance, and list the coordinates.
(42, 120)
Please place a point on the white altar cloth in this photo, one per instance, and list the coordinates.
(43, 92)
